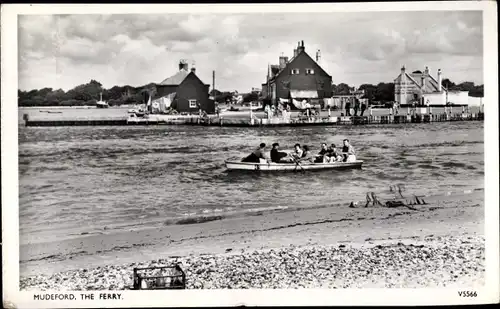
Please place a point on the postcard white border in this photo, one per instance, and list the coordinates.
(10, 222)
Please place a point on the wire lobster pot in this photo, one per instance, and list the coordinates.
(159, 278)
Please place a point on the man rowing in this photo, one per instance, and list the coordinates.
(307, 156)
(297, 154)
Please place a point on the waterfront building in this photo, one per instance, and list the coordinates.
(340, 101)
(421, 88)
(185, 91)
(297, 80)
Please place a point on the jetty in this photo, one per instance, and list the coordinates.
(251, 118)
(229, 121)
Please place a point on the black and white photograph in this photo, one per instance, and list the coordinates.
(288, 148)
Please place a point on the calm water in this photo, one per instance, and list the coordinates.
(79, 180)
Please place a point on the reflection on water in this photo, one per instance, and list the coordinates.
(77, 180)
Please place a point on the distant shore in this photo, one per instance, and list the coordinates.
(441, 244)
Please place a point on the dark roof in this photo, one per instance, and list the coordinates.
(176, 79)
(292, 60)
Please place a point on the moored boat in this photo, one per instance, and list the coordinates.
(101, 103)
(249, 166)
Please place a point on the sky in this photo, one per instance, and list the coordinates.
(63, 51)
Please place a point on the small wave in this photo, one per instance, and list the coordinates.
(451, 164)
(194, 220)
(450, 144)
(427, 166)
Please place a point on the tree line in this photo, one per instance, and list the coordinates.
(88, 94)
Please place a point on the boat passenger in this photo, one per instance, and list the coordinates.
(333, 155)
(348, 152)
(256, 155)
(297, 154)
(321, 157)
(276, 155)
(307, 155)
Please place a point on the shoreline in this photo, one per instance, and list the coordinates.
(458, 217)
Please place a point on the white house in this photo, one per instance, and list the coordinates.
(422, 88)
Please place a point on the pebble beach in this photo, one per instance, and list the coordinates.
(428, 262)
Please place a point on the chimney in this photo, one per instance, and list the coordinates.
(193, 68)
(295, 52)
(318, 56)
(283, 61)
(426, 71)
(300, 48)
(183, 65)
(440, 81)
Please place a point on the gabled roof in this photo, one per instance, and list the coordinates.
(292, 60)
(175, 79)
(431, 84)
(436, 84)
(178, 78)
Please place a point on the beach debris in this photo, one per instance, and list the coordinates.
(158, 278)
(372, 199)
(399, 188)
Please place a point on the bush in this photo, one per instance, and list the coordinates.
(115, 102)
(92, 102)
(72, 102)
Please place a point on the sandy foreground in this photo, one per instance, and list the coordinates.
(439, 244)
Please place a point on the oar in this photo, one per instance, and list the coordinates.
(297, 164)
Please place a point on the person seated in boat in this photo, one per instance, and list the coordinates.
(297, 154)
(333, 155)
(321, 157)
(256, 155)
(307, 156)
(348, 152)
(278, 156)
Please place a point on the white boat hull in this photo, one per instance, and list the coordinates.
(248, 166)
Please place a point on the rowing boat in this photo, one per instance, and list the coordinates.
(249, 166)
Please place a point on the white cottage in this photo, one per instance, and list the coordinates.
(423, 89)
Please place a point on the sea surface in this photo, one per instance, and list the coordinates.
(76, 181)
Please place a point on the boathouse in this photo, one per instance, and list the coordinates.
(185, 92)
(421, 88)
(297, 80)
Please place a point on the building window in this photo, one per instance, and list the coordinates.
(295, 71)
(309, 72)
(192, 104)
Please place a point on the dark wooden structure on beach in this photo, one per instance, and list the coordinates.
(190, 93)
